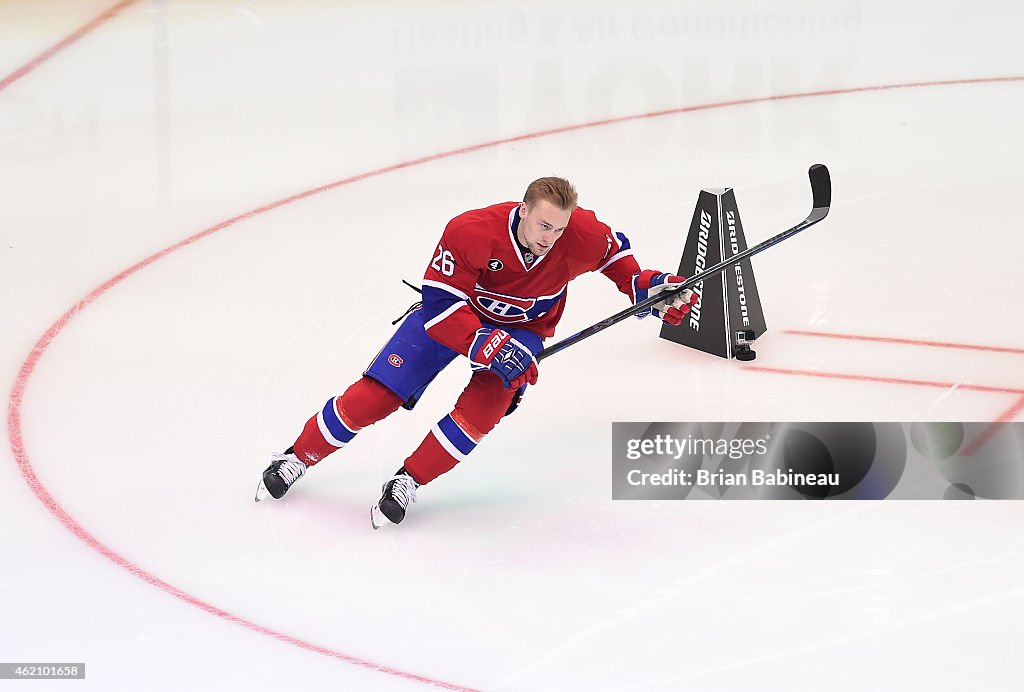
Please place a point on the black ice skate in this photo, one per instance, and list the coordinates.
(398, 493)
(284, 470)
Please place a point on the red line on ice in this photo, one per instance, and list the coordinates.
(908, 342)
(997, 425)
(63, 43)
(14, 428)
(44, 496)
(886, 380)
(987, 434)
(28, 367)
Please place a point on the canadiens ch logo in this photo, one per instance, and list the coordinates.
(505, 309)
(495, 265)
(395, 360)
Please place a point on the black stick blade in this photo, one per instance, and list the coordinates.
(821, 186)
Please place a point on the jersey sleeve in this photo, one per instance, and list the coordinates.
(447, 285)
(617, 261)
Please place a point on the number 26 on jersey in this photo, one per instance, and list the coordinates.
(443, 262)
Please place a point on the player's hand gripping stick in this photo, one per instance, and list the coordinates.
(497, 351)
(650, 283)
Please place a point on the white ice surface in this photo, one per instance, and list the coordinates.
(149, 417)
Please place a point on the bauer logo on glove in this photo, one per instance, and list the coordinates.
(496, 350)
(673, 309)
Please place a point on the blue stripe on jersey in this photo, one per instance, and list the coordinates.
(436, 301)
(460, 440)
(340, 431)
(623, 241)
(545, 305)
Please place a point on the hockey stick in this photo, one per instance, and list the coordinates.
(821, 191)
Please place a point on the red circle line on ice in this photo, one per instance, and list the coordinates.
(14, 414)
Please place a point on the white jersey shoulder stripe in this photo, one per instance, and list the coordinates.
(615, 258)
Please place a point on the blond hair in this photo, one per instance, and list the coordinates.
(557, 191)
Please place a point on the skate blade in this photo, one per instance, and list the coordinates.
(377, 518)
(262, 492)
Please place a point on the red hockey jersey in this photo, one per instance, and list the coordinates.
(478, 273)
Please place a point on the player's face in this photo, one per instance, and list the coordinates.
(540, 225)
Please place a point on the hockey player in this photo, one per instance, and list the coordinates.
(494, 290)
